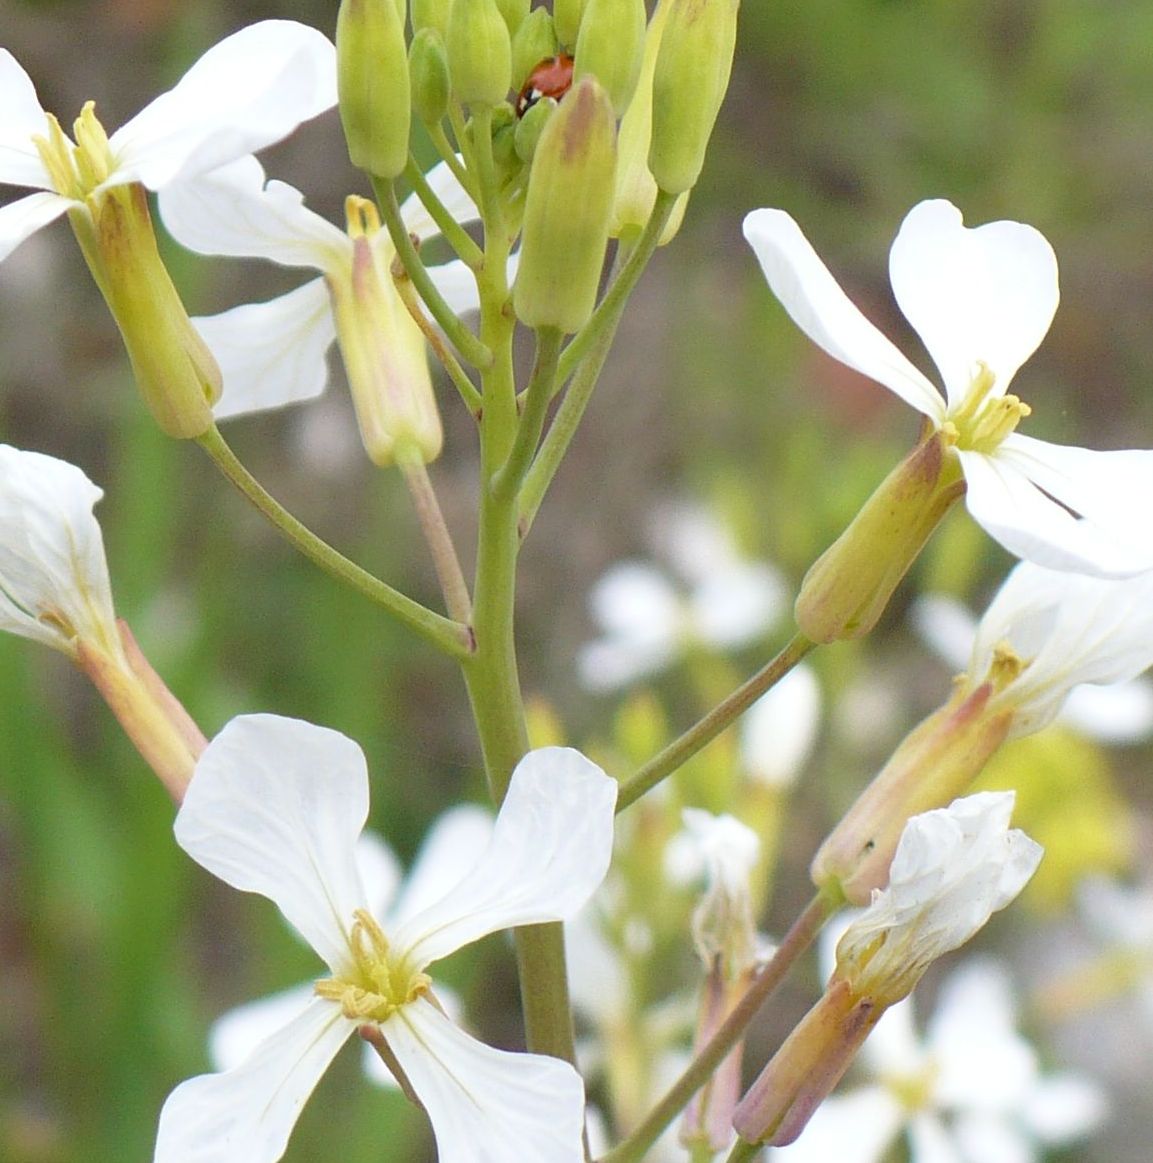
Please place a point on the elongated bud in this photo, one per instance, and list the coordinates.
(534, 42)
(610, 47)
(174, 370)
(428, 72)
(566, 17)
(431, 14)
(479, 52)
(372, 79)
(531, 126)
(850, 584)
(514, 13)
(692, 75)
(567, 209)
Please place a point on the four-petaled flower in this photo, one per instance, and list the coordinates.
(981, 300)
(275, 807)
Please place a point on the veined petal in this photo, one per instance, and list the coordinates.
(818, 306)
(248, 1113)
(22, 218)
(231, 211)
(550, 849)
(24, 117)
(238, 1032)
(271, 354)
(452, 194)
(275, 807)
(973, 295)
(54, 584)
(486, 1105)
(1067, 508)
(250, 90)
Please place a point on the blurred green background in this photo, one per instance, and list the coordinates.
(115, 953)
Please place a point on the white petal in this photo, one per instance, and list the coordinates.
(53, 573)
(20, 163)
(983, 1137)
(232, 211)
(986, 294)
(1118, 714)
(380, 872)
(736, 604)
(250, 90)
(457, 284)
(486, 1105)
(271, 354)
(848, 1128)
(819, 307)
(238, 1033)
(1064, 1107)
(1022, 496)
(778, 731)
(451, 193)
(22, 218)
(929, 1142)
(248, 1113)
(893, 1049)
(947, 626)
(550, 849)
(275, 807)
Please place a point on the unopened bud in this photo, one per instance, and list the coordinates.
(692, 75)
(372, 80)
(610, 47)
(431, 14)
(514, 13)
(531, 125)
(479, 52)
(848, 587)
(428, 72)
(535, 41)
(566, 17)
(566, 215)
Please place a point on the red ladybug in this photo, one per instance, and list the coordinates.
(552, 77)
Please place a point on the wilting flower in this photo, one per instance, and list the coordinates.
(275, 807)
(982, 300)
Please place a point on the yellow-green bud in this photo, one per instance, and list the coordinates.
(566, 216)
(534, 41)
(479, 52)
(428, 72)
(431, 14)
(372, 80)
(610, 46)
(691, 77)
(566, 17)
(514, 13)
(530, 127)
(848, 587)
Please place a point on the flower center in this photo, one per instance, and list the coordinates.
(983, 420)
(1007, 666)
(76, 170)
(915, 1090)
(377, 985)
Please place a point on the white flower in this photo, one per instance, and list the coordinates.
(971, 1091)
(953, 868)
(54, 585)
(779, 730)
(275, 807)
(647, 621)
(248, 91)
(981, 300)
(273, 353)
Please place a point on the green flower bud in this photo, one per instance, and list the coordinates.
(534, 41)
(428, 72)
(566, 216)
(514, 13)
(566, 17)
(479, 52)
(372, 80)
(530, 127)
(848, 587)
(431, 14)
(692, 74)
(610, 46)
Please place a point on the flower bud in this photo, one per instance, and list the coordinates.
(514, 13)
(566, 214)
(610, 46)
(428, 73)
(531, 126)
(566, 17)
(534, 41)
(173, 368)
(372, 80)
(848, 587)
(431, 14)
(479, 52)
(692, 74)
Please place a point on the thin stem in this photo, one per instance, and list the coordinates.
(449, 155)
(705, 730)
(432, 523)
(743, 1152)
(587, 354)
(536, 401)
(461, 338)
(799, 937)
(451, 637)
(456, 236)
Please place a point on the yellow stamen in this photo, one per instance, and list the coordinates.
(983, 421)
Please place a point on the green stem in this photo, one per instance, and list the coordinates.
(452, 637)
(799, 937)
(436, 534)
(705, 730)
(471, 348)
(743, 1151)
(452, 231)
(449, 155)
(536, 401)
(586, 354)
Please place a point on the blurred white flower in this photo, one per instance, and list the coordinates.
(779, 730)
(276, 807)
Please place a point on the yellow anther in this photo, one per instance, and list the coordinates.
(913, 1091)
(94, 161)
(983, 421)
(1007, 666)
(362, 217)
